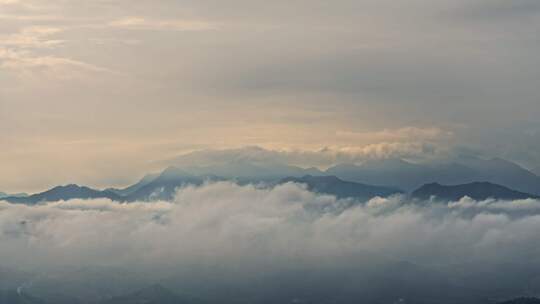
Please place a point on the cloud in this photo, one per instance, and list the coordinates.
(527, 205)
(397, 135)
(411, 148)
(231, 223)
(338, 69)
(32, 37)
(281, 241)
(20, 52)
(140, 23)
(29, 66)
(7, 2)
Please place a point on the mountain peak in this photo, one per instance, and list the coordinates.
(174, 172)
(70, 186)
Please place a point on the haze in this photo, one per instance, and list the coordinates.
(101, 92)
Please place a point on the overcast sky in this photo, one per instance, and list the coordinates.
(98, 92)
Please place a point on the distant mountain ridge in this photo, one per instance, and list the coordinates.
(67, 192)
(386, 173)
(165, 185)
(478, 191)
(3, 195)
(409, 176)
(340, 188)
(151, 187)
(129, 190)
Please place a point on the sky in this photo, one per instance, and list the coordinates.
(101, 92)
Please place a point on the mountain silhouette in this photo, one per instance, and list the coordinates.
(476, 191)
(164, 186)
(64, 193)
(409, 176)
(343, 180)
(129, 190)
(4, 195)
(340, 188)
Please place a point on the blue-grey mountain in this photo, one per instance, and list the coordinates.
(62, 193)
(340, 188)
(477, 191)
(409, 176)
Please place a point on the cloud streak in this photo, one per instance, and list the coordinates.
(141, 23)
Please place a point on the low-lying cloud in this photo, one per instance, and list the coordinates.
(227, 223)
(228, 243)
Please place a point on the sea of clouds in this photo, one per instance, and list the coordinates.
(255, 227)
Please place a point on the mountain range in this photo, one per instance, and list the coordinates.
(474, 177)
(409, 176)
(64, 193)
(390, 172)
(164, 186)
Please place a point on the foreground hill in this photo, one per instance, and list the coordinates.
(340, 188)
(476, 191)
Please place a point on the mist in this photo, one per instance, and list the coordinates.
(223, 230)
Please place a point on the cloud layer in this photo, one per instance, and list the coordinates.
(235, 225)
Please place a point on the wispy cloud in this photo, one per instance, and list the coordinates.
(412, 143)
(22, 52)
(392, 135)
(30, 66)
(141, 23)
(34, 36)
(30, 17)
(7, 2)
(16, 60)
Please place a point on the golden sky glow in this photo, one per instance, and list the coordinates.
(101, 92)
